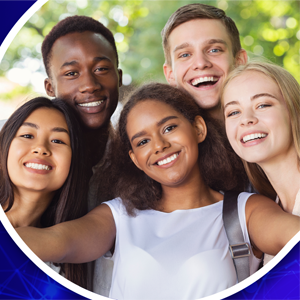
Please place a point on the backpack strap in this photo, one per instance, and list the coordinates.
(239, 249)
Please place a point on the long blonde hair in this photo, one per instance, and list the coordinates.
(290, 91)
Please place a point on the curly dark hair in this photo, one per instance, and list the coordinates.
(70, 25)
(69, 202)
(220, 167)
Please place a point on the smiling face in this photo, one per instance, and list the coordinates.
(256, 118)
(164, 143)
(84, 73)
(201, 56)
(39, 156)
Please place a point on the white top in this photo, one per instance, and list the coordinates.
(179, 255)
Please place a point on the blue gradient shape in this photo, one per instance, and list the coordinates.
(20, 278)
(10, 13)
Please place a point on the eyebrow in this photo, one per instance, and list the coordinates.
(216, 41)
(55, 129)
(181, 46)
(252, 98)
(60, 129)
(159, 123)
(75, 62)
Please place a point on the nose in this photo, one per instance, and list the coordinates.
(41, 149)
(160, 144)
(249, 119)
(89, 83)
(201, 61)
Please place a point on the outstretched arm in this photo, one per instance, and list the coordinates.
(269, 227)
(76, 241)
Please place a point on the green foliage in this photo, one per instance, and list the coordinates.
(268, 28)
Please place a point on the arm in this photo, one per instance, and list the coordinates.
(269, 227)
(76, 241)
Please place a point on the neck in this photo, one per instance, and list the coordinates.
(28, 208)
(95, 144)
(284, 175)
(193, 193)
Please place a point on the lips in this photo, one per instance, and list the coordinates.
(38, 166)
(252, 137)
(167, 159)
(204, 81)
(92, 105)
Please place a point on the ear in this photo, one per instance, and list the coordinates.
(241, 58)
(201, 128)
(133, 158)
(169, 74)
(120, 77)
(49, 87)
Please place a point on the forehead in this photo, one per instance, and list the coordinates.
(250, 83)
(198, 31)
(80, 46)
(45, 115)
(254, 80)
(150, 111)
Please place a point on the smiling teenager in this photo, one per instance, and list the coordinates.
(166, 229)
(40, 181)
(201, 46)
(262, 107)
(81, 62)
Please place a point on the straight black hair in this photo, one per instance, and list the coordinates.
(69, 202)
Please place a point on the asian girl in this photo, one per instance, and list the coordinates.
(166, 231)
(41, 161)
(262, 114)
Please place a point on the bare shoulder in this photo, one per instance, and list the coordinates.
(260, 204)
(101, 214)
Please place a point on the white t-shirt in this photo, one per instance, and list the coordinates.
(179, 255)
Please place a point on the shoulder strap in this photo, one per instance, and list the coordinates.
(239, 249)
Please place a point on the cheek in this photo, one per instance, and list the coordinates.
(64, 162)
(14, 154)
(231, 132)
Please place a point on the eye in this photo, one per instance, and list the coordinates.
(215, 50)
(27, 136)
(263, 105)
(69, 74)
(233, 113)
(56, 141)
(184, 55)
(101, 69)
(142, 142)
(170, 128)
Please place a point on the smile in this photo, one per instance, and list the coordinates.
(208, 80)
(167, 160)
(38, 166)
(253, 136)
(91, 104)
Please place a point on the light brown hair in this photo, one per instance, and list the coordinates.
(290, 91)
(199, 11)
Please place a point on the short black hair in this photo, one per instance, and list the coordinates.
(70, 25)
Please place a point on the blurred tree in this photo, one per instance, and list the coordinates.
(267, 28)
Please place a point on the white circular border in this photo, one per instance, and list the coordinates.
(70, 285)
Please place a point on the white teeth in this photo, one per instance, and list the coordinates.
(96, 103)
(253, 136)
(37, 166)
(203, 79)
(167, 160)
